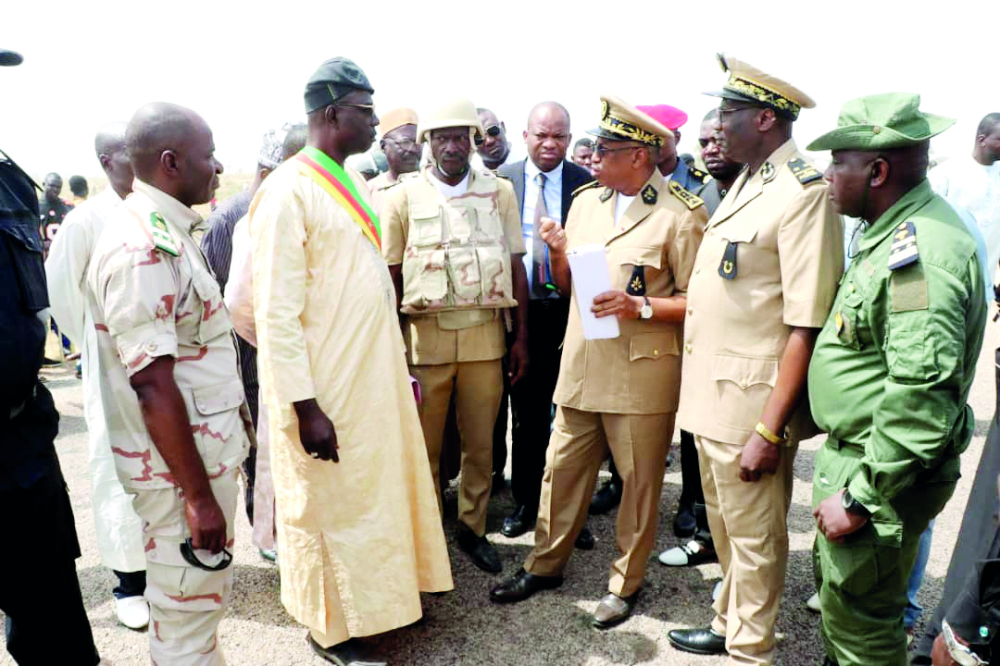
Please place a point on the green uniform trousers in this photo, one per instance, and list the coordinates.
(862, 582)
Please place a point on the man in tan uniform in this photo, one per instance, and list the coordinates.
(618, 394)
(177, 417)
(399, 143)
(763, 284)
(452, 239)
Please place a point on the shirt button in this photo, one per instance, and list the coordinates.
(697, 270)
(687, 348)
(656, 352)
(151, 346)
(850, 288)
(690, 311)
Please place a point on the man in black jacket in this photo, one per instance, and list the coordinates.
(544, 184)
(39, 592)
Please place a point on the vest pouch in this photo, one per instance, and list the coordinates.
(461, 221)
(425, 225)
(488, 222)
(463, 271)
(425, 281)
(495, 271)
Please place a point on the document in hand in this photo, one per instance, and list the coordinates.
(589, 269)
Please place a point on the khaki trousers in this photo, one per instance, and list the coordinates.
(579, 444)
(477, 386)
(748, 524)
(186, 603)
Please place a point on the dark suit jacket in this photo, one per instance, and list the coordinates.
(573, 177)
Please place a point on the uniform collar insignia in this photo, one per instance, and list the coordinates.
(768, 172)
(649, 195)
(606, 194)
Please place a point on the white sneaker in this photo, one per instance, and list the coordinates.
(812, 603)
(690, 554)
(717, 590)
(133, 612)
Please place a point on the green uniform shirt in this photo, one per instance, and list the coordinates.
(893, 365)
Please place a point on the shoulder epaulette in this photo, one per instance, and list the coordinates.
(692, 201)
(699, 174)
(903, 250)
(161, 235)
(585, 186)
(805, 172)
(408, 176)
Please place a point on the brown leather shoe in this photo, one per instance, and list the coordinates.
(614, 610)
(522, 586)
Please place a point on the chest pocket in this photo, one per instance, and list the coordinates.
(623, 263)
(848, 320)
(213, 319)
(425, 225)
(732, 259)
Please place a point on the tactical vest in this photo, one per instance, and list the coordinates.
(456, 257)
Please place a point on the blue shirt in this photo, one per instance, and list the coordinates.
(553, 206)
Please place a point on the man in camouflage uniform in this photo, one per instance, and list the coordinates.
(452, 239)
(181, 428)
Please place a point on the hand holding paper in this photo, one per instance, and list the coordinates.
(591, 279)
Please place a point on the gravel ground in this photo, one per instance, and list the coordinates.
(463, 627)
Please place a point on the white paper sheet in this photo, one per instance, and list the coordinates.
(589, 268)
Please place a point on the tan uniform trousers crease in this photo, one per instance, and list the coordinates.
(478, 386)
(748, 523)
(579, 444)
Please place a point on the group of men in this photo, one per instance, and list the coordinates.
(367, 312)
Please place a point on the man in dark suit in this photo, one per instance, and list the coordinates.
(544, 184)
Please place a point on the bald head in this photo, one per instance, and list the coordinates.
(110, 139)
(171, 148)
(295, 141)
(109, 144)
(548, 135)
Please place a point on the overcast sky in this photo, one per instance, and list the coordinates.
(244, 65)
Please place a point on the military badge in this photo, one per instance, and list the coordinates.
(605, 109)
(803, 171)
(768, 172)
(606, 194)
(649, 195)
(161, 235)
(637, 283)
(903, 250)
(727, 269)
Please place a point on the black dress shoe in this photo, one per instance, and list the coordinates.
(351, 652)
(698, 641)
(522, 586)
(685, 522)
(606, 498)
(480, 550)
(585, 540)
(518, 522)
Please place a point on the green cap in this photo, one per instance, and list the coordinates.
(880, 122)
(332, 80)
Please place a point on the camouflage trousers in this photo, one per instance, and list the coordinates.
(186, 603)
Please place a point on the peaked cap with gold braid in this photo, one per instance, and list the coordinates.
(748, 84)
(620, 121)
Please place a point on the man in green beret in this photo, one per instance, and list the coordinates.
(890, 375)
(358, 526)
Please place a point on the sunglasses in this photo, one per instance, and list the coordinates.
(493, 131)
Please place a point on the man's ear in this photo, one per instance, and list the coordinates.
(330, 114)
(170, 162)
(879, 172)
(766, 120)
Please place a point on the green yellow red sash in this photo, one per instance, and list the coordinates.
(331, 177)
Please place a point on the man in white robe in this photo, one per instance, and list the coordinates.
(359, 533)
(119, 530)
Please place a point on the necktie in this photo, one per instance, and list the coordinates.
(539, 251)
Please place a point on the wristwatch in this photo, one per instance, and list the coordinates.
(647, 309)
(852, 505)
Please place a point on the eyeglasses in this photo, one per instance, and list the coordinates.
(724, 111)
(601, 150)
(405, 144)
(366, 108)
